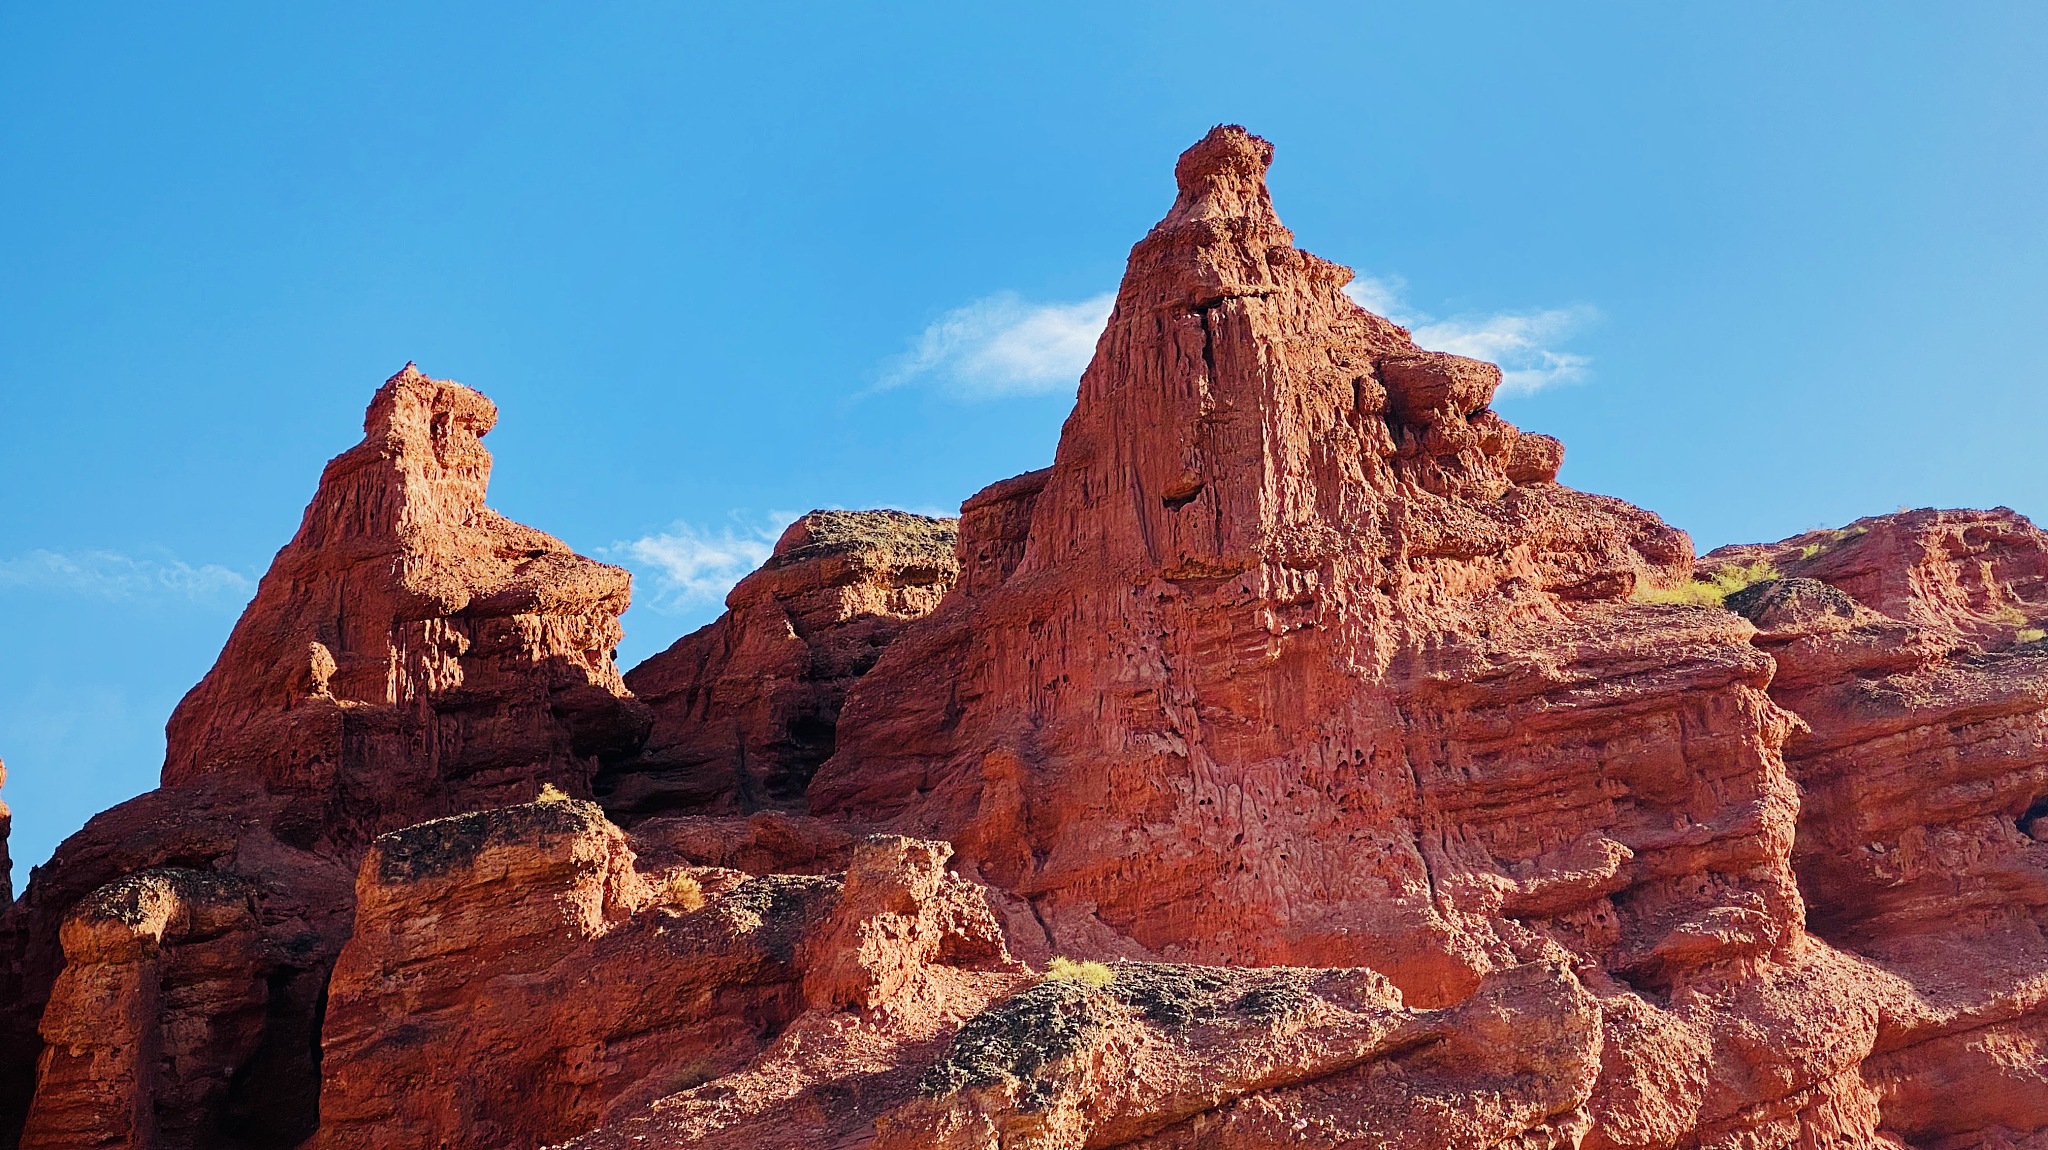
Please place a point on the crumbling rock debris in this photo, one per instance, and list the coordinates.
(1296, 706)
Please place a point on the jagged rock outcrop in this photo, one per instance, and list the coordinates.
(578, 987)
(688, 1006)
(1176, 1056)
(410, 654)
(747, 707)
(160, 1002)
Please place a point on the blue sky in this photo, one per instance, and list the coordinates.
(1760, 268)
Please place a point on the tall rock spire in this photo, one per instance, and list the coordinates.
(1225, 702)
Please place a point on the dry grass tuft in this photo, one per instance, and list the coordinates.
(1713, 590)
(1084, 972)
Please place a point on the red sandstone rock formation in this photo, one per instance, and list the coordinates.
(1303, 658)
(161, 1001)
(1911, 646)
(747, 707)
(1296, 689)
(411, 653)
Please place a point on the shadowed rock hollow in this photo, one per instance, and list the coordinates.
(1373, 788)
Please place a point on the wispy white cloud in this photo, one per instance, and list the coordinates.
(1523, 343)
(114, 575)
(686, 567)
(1003, 345)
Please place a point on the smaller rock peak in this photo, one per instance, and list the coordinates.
(1227, 152)
(828, 532)
(411, 403)
(1223, 177)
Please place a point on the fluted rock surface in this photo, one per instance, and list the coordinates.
(1911, 646)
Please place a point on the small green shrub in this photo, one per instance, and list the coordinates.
(2031, 635)
(550, 793)
(1710, 592)
(1084, 972)
(1810, 550)
(2010, 616)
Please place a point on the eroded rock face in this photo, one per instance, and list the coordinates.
(746, 708)
(160, 1002)
(577, 988)
(1305, 658)
(1182, 1056)
(411, 653)
(1910, 644)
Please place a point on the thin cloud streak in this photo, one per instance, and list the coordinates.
(114, 575)
(1522, 343)
(687, 567)
(1002, 346)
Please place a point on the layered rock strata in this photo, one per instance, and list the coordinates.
(1305, 658)
(1912, 647)
(411, 653)
(626, 1006)
(747, 707)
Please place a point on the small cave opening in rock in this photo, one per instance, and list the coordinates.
(812, 739)
(2033, 822)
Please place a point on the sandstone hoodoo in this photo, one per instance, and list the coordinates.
(1293, 762)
